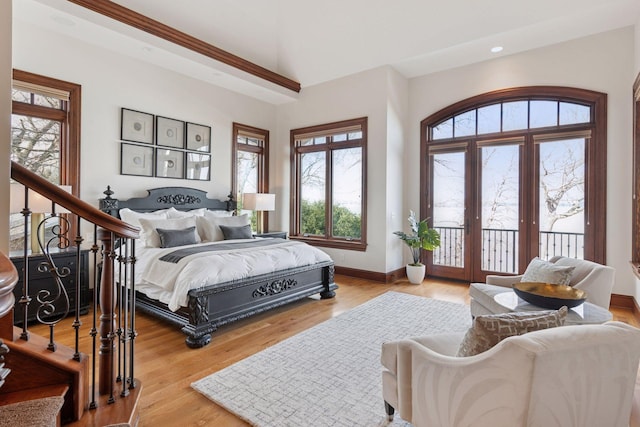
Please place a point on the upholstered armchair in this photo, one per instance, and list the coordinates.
(593, 278)
(578, 376)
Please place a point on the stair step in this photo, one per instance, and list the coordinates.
(22, 396)
(27, 357)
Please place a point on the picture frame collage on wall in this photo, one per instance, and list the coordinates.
(163, 147)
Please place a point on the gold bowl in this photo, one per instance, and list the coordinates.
(548, 295)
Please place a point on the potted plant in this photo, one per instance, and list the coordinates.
(421, 237)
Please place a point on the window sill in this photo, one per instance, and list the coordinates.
(337, 244)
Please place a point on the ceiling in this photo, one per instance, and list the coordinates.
(314, 42)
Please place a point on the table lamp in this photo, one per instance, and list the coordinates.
(259, 202)
(37, 206)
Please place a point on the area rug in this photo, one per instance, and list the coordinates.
(330, 374)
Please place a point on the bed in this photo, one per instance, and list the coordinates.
(201, 299)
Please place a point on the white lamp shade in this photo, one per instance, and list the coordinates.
(259, 201)
(37, 202)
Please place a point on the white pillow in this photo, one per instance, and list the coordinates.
(210, 225)
(150, 236)
(175, 213)
(216, 214)
(543, 271)
(133, 217)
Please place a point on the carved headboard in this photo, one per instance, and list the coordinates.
(181, 198)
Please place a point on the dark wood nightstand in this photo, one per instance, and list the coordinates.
(42, 280)
(276, 234)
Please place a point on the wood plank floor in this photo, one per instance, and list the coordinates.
(167, 367)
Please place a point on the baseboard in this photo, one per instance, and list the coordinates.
(389, 277)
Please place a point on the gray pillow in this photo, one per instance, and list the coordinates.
(171, 238)
(241, 232)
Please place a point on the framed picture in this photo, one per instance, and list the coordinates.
(136, 126)
(198, 137)
(198, 166)
(169, 163)
(169, 132)
(136, 160)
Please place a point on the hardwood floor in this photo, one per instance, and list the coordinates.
(167, 367)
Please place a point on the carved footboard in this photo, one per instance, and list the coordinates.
(217, 305)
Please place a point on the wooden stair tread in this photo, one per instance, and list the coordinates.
(122, 411)
(32, 394)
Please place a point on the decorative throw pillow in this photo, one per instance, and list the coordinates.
(172, 238)
(241, 232)
(490, 329)
(543, 271)
(209, 226)
(150, 236)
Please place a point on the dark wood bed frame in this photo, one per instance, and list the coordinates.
(216, 305)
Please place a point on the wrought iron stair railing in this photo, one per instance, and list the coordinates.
(112, 330)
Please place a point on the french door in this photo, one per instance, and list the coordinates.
(501, 198)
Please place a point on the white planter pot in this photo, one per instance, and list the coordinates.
(415, 273)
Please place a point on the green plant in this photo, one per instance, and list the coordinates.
(421, 237)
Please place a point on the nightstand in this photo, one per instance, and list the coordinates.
(276, 234)
(43, 280)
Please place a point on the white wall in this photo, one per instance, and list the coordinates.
(397, 141)
(602, 63)
(110, 81)
(359, 95)
(5, 121)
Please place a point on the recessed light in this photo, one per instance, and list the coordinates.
(496, 49)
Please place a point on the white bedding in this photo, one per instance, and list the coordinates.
(169, 282)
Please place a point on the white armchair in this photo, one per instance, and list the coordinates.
(595, 279)
(580, 376)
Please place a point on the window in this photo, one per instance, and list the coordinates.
(515, 174)
(329, 184)
(250, 166)
(45, 134)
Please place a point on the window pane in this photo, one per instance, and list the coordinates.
(465, 124)
(303, 142)
(35, 144)
(320, 140)
(489, 119)
(347, 193)
(448, 208)
(562, 198)
(574, 113)
(543, 113)
(254, 141)
(514, 115)
(339, 137)
(500, 208)
(443, 130)
(312, 193)
(246, 178)
(355, 135)
(47, 101)
(21, 96)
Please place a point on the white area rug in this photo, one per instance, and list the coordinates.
(330, 375)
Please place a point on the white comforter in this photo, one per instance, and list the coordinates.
(169, 282)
